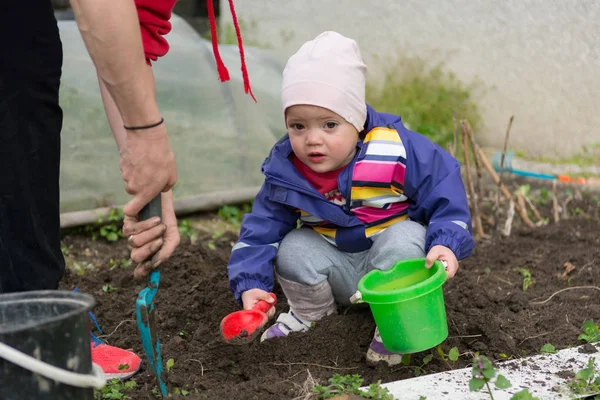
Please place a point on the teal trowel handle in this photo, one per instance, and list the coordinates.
(152, 209)
(145, 307)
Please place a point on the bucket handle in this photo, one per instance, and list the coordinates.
(95, 380)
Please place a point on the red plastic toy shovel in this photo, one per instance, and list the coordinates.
(241, 327)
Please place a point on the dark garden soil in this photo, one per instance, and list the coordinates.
(488, 311)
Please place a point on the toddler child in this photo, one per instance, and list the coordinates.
(367, 192)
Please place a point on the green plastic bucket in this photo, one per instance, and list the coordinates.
(407, 303)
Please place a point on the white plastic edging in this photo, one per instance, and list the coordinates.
(94, 380)
(537, 373)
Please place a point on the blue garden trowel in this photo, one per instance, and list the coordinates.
(144, 307)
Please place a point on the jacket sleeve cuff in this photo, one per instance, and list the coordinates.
(247, 284)
(460, 249)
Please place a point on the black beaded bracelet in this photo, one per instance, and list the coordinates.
(135, 128)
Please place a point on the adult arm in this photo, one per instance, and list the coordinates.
(111, 33)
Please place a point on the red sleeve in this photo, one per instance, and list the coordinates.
(154, 18)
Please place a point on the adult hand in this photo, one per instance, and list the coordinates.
(442, 253)
(152, 241)
(147, 165)
(253, 296)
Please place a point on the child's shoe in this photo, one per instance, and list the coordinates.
(115, 362)
(286, 323)
(377, 352)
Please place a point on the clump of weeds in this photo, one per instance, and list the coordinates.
(186, 230)
(484, 373)
(234, 214)
(548, 349)
(587, 380)
(115, 389)
(591, 332)
(108, 227)
(350, 384)
(527, 279)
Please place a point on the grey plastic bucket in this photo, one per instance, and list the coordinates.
(53, 327)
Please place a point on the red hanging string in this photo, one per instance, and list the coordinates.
(247, 87)
(221, 68)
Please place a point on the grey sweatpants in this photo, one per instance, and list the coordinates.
(313, 273)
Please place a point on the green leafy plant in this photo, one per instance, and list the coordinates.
(181, 392)
(591, 332)
(527, 280)
(65, 250)
(548, 349)
(452, 355)
(523, 190)
(524, 395)
(426, 97)
(115, 389)
(215, 235)
(505, 356)
(587, 380)
(185, 229)
(183, 334)
(81, 267)
(544, 197)
(350, 384)
(107, 227)
(110, 227)
(579, 211)
(124, 263)
(234, 214)
(170, 364)
(483, 372)
(108, 288)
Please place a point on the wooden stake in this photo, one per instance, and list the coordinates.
(474, 200)
(555, 203)
(455, 136)
(510, 121)
(487, 219)
(478, 189)
(565, 212)
(534, 209)
(509, 218)
(521, 201)
(488, 166)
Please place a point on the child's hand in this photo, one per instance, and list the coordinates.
(442, 253)
(253, 296)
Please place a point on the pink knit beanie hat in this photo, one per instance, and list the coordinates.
(328, 72)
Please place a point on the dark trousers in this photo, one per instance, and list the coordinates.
(30, 124)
